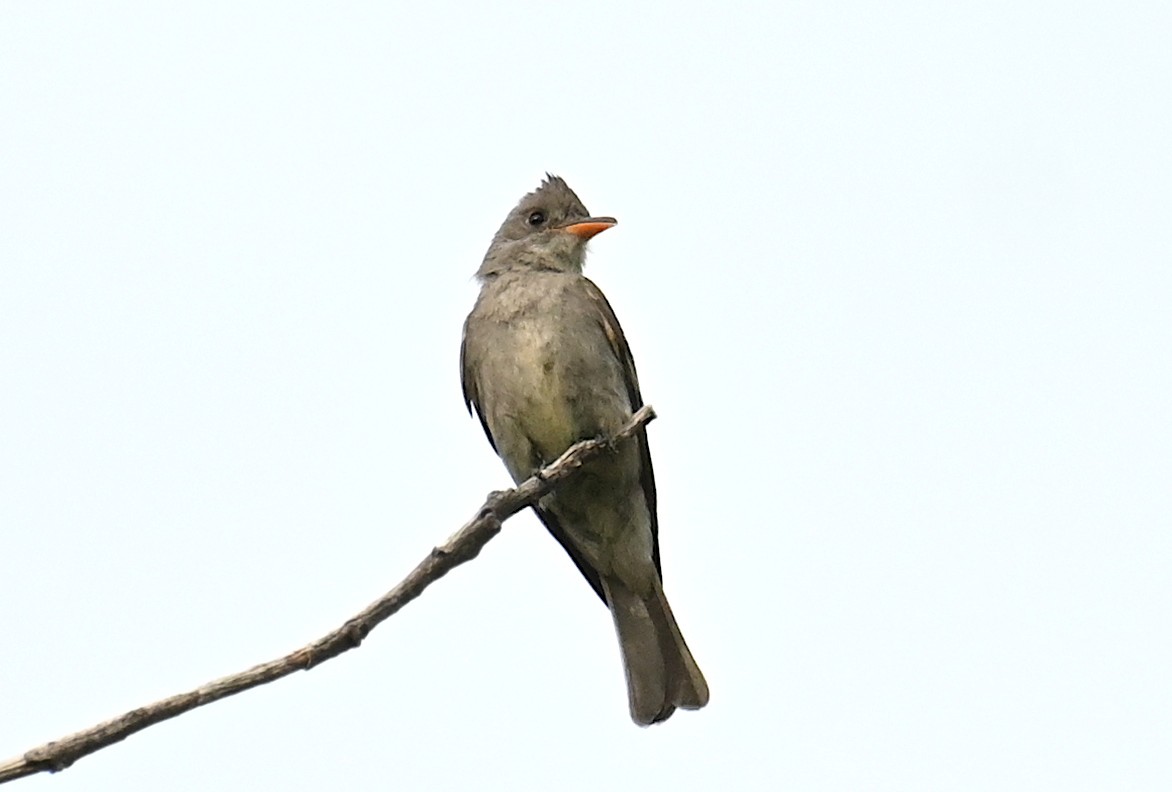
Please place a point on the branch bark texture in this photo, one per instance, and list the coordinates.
(462, 546)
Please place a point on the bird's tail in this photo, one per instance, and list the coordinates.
(661, 674)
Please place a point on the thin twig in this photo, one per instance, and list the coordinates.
(462, 546)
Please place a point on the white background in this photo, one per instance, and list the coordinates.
(897, 277)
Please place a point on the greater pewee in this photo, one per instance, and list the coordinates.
(545, 364)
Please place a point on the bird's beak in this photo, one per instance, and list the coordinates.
(584, 229)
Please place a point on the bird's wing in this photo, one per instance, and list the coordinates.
(550, 521)
(468, 383)
(618, 344)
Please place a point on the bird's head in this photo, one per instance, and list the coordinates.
(547, 229)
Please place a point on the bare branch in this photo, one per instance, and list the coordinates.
(462, 546)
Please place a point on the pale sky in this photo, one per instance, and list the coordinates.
(897, 280)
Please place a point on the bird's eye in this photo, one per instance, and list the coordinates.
(536, 218)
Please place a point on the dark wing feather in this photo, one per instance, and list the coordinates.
(618, 343)
(468, 384)
(555, 529)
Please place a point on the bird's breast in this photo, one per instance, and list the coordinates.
(548, 368)
(545, 392)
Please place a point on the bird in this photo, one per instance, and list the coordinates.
(544, 364)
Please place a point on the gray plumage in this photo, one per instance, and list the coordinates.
(544, 363)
